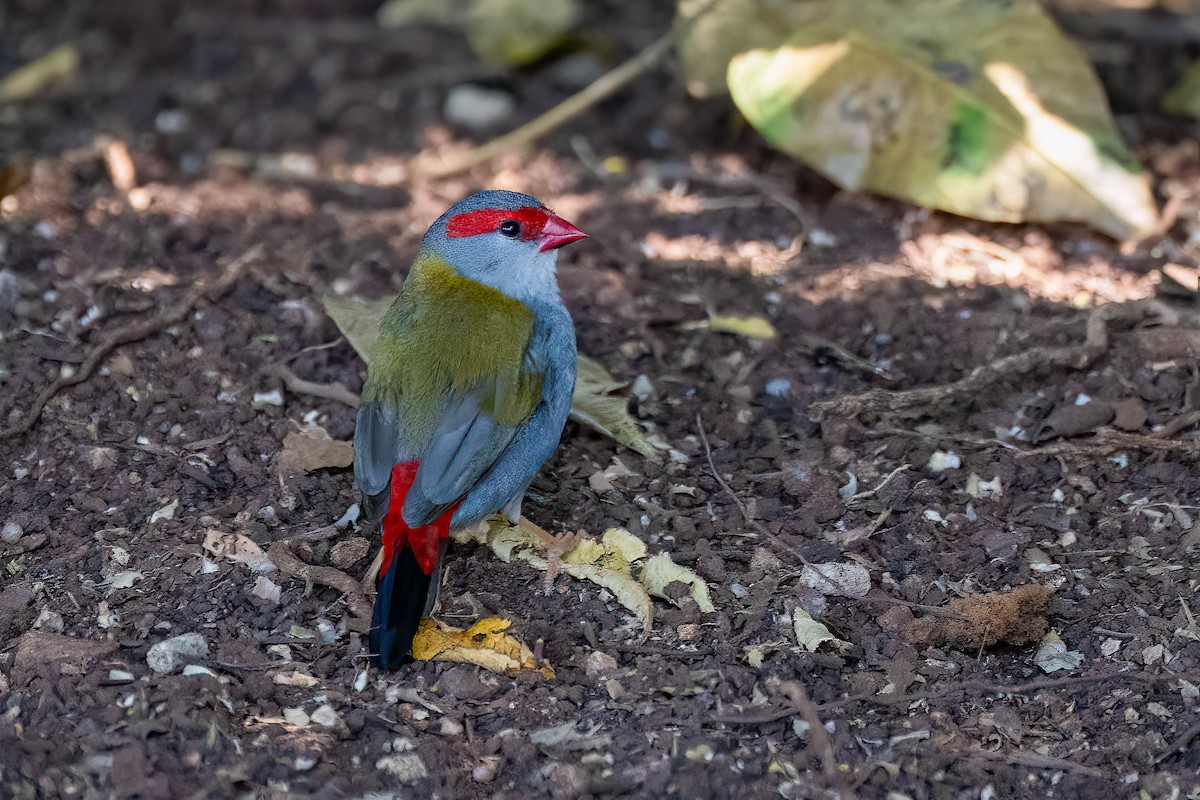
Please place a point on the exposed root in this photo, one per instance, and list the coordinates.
(173, 315)
(1073, 357)
(290, 564)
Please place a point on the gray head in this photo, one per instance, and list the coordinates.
(506, 240)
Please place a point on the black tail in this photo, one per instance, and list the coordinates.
(399, 606)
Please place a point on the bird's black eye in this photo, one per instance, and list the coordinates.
(510, 228)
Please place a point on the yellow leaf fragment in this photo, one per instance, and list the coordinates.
(605, 563)
(484, 644)
(660, 570)
(812, 634)
(24, 82)
(753, 327)
(595, 406)
(358, 320)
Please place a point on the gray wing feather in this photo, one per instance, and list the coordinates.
(464, 445)
(374, 455)
(504, 485)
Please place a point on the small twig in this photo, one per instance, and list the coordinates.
(1024, 758)
(576, 104)
(327, 391)
(1180, 423)
(1072, 357)
(822, 742)
(762, 530)
(288, 563)
(1180, 744)
(132, 333)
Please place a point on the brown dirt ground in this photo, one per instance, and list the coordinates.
(208, 101)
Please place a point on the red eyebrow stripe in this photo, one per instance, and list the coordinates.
(487, 220)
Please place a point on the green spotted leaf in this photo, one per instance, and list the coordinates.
(978, 107)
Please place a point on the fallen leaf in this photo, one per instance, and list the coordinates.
(266, 589)
(812, 634)
(294, 678)
(296, 716)
(659, 571)
(166, 512)
(237, 547)
(1052, 655)
(124, 580)
(606, 563)
(484, 644)
(504, 32)
(980, 109)
(311, 449)
(753, 327)
(24, 82)
(593, 404)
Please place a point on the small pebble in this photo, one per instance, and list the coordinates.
(779, 387)
(11, 532)
(171, 654)
(477, 108)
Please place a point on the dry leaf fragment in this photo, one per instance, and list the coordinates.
(266, 589)
(124, 580)
(606, 563)
(310, 449)
(660, 570)
(1053, 655)
(752, 327)
(484, 644)
(812, 634)
(237, 547)
(294, 678)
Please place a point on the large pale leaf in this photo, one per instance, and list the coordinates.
(979, 108)
(593, 404)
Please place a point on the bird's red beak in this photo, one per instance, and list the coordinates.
(558, 232)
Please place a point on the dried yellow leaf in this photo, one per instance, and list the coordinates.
(753, 327)
(484, 644)
(606, 563)
(660, 571)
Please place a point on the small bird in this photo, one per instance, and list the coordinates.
(468, 389)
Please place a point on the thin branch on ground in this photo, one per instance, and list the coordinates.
(1072, 357)
(289, 563)
(326, 391)
(1024, 758)
(173, 315)
(435, 166)
(822, 742)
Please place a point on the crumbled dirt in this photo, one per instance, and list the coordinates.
(294, 133)
(981, 620)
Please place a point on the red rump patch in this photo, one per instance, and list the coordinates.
(473, 223)
(425, 540)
